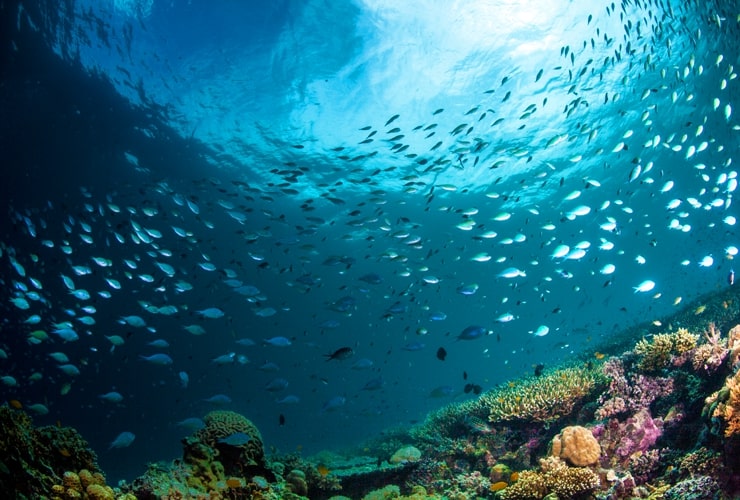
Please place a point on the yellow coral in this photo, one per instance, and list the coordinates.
(658, 353)
(530, 486)
(541, 399)
(100, 492)
(728, 407)
(71, 481)
(577, 445)
(568, 482)
(684, 341)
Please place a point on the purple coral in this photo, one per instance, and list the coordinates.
(631, 392)
(639, 433)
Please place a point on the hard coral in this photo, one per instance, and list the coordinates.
(531, 485)
(726, 405)
(406, 454)
(542, 399)
(35, 459)
(629, 392)
(664, 349)
(577, 445)
(710, 354)
(568, 482)
(221, 424)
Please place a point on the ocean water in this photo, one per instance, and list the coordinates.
(360, 175)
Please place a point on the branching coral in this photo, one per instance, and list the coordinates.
(542, 399)
(555, 478)
(709, 355)
(568, 482)
(531, 485)
(664, 349)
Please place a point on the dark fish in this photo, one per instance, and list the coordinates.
(341, 353)
(441, 354)
(538, 369)
(372, 279)
(281, 420)
(473, 332)
(474, 388)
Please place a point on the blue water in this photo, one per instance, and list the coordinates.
(267, 137)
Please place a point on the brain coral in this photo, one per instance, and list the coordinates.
(222, 423)
(577, 445)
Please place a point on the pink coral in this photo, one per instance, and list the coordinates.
(623, 442)
(710, 355)
(640, 433)
(629, 392)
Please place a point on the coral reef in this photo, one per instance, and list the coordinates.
(34, 460)
(639, 425)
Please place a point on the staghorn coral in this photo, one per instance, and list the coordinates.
(542, 399)
(709, 355)
(665, 349)
(577, 445)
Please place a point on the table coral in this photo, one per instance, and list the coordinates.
(542, 399)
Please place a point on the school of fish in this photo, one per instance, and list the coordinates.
(601, 195)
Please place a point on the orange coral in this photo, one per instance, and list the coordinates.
(577, 445)
(729, 409)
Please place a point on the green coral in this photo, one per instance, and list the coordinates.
(659, 352)
(546, 398)
(542, 399)
(33, 460)
(221, 424)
